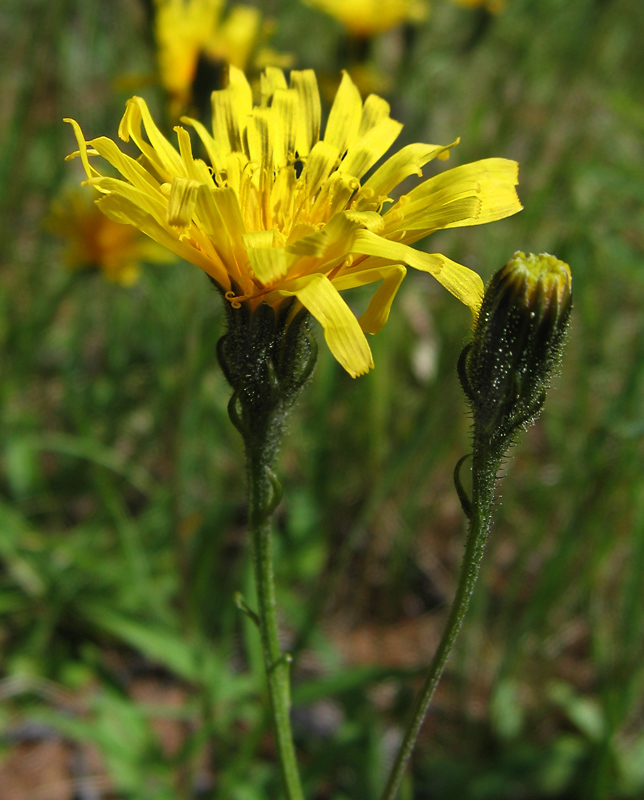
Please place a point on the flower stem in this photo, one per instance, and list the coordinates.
(261, 493)
(480, 513)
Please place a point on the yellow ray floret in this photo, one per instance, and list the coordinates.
(278, 211)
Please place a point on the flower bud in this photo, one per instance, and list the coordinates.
(517, 342)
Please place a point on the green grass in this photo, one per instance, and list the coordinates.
(122, 497)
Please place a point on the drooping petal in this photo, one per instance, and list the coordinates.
(342, 332)
(377, 314)
(462, 282)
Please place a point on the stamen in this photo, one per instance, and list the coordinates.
(235, 302)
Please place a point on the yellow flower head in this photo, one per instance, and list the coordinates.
(187, 29)
(369, 17)
(281, 213)
(493, 6)
(94, 241)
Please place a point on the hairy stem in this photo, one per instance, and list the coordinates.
(483, 476)
(261, 491)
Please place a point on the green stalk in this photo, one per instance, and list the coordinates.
(262, 499)
(480, 514)
(504, 371)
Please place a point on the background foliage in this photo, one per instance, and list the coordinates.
(127, 669)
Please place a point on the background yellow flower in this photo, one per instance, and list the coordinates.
(94, 241)
(189, 30)
(370, 17)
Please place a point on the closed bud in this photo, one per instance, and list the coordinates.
(517, 342)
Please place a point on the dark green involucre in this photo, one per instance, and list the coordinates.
(267, 356)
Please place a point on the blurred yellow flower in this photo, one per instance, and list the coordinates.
(94, 241)
(189, 29)
(366, 18)
(281, 213)
(493, 6)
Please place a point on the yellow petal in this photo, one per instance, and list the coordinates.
(331, 242)
(130, 128)
(342, 332)
(377, 314)
(345, 116)
(230, 109)
(375, 109)
(373, 145)
(271, 80)
(232, 175)
(269, 263)
(407, 161)
(262, 131)
(285, 106)
(283, 198)
(334, 196)
(137, 111)
(153, 204)
(309, 111)
(462, 282)
(222, 222)
(195, 168)
(182, 202)
(123, 210)
(319, 165)
(366, 219)
(130, 169)
(82, 149)
(491, 180)
(216, 153)
(432, 215)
